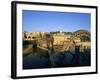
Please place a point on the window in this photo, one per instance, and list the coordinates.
(29, 37)
(33, 37)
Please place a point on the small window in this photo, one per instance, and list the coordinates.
(29, 37)
(33, 37)
(25, 37)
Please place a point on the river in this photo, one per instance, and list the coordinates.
(47, 59)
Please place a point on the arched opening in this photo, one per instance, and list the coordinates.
(29, 37)
(33, 37)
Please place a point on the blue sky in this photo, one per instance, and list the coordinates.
(47, 21)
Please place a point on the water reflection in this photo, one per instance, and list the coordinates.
(49, 59)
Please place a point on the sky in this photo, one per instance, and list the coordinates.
(47, 21)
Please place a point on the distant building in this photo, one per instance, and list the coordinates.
(60, 41)
(84, 45)
(32, 35)
(77, 39)
(60, 38)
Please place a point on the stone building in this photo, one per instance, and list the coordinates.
(60, 38)
(32, 35)
(59, 41)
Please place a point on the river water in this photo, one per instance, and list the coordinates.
(46, 59)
